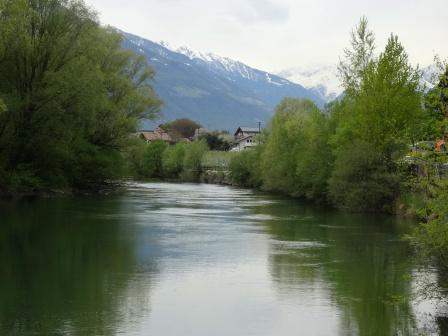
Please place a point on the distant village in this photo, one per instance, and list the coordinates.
(243, 138)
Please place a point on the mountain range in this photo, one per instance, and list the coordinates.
(218, 92)
(221, 93)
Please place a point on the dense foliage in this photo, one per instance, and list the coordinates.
(348, 155)
(71, 96)
(245, 168)
(296, 157)
(159, 160)
(173, 160)
(181, 128)
(216, 142)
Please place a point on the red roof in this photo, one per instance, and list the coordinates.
(155, 135)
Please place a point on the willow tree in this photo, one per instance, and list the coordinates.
(72, 94)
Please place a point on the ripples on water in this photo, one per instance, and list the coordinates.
(184, 259)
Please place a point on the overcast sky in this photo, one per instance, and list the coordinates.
(277, 34)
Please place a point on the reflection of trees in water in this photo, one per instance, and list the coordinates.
(356, 259)
(65, 268)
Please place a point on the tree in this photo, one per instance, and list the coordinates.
(389, 105)
(215, 142)
(73, 95)
(181, 128)
(357, 59)
(245, 168)
(380, 114)
(361, 181)
(173, 158)
(152, 159)
(295, 158)
(315, 157)
(436, 102)
(192, 167)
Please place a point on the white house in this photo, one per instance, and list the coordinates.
(245, 138)
(246, 142)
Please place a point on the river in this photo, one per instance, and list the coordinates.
(203, 260)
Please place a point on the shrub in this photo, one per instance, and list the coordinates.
(192, 161)
(245, 168)
(361, 181)
(172, 160)
(134, 157)
(152, 159)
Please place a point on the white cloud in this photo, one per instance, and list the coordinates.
(258, 11)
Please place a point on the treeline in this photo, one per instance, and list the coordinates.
(182, 161)
(351, 154)
(69, 96)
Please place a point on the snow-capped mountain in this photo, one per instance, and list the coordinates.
(430, 76)
(321, 79)
(324, 81)
(217, 91)
(229, 66)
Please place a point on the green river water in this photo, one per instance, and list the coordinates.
(202, 260)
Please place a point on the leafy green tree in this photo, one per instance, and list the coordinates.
(379, 115)
(192, 168)
(173, 159)
(152, 159)
(181, 128)
(358, 58)
(134, 157)
(296, 159)
(315, 158)
(285, 136)
(387, 106)
(215, 142)
(361, 181)
(436, 103)
(245, 168)
(73, 95)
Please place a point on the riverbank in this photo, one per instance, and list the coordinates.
(407, 206)
(101, 189)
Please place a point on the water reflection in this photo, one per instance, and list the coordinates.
(168, 259)
(65, 268)
(355, 262)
